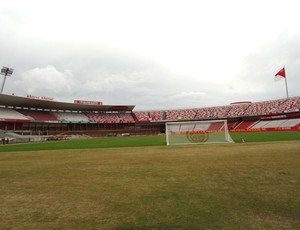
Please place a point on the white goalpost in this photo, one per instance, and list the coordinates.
(197, 132)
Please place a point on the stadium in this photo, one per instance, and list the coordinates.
(149, 115)
(87, 165)
(44, 118)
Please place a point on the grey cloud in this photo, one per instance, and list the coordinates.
(256, 76)
(68, 71)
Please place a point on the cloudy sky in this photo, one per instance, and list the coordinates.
(158, 54)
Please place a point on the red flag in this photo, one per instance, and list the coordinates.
(280, 74)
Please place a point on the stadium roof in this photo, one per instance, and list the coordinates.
(24, 102)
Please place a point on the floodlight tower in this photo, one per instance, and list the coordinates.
(6, 72)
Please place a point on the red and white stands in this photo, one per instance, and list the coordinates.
(10, 115)
(235, 110)
(142, 116)
(39, 116)
(110, 117)
(265, 115)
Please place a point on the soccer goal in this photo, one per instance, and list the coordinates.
(197, 132)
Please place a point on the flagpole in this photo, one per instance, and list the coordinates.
(287, 92)
(286, 87)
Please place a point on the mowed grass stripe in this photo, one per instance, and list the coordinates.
(103, 142)
(242, 186)
(138, 141)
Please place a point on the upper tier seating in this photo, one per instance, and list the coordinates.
(103, 117)
(264, 108)
(142, 116)
(222, 112)
(203, 113)
(274, 107)
(156, 115)
(290, 105)
(110, 117)
(173, 115)
(237, 110)
(126, 117)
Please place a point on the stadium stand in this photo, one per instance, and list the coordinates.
(215, 126)
(265, 107)
(126, 117)
(290, 123)
(231, 124)
(103, 117)
(12, 115)
(221, 111)
(183, 114)
(282, 123)
(290, 105)
(71, 117)
(142, 116)
(274, 123)
(110, 117)
(157, 115)
(260, 124)
(39, 116)
(237, 110)
(218, 112)
(245, 125)
(203, 113)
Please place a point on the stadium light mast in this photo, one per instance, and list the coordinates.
(6, 72)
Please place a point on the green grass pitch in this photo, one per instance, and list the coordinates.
(139, 183)
(139, 141)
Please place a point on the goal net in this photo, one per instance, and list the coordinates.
(197, 132)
